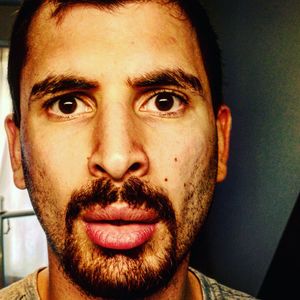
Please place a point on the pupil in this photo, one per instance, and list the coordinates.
(164, 101)
(67, 106)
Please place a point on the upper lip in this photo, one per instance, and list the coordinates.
(125, 214)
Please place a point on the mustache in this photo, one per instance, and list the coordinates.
(134, 192)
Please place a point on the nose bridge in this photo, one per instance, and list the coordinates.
(117, 150)
(115, 130)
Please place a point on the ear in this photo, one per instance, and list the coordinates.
(223, 131)
(14, 144)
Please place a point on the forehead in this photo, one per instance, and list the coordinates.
(129, 14)
(149, 34)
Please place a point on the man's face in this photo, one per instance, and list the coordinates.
(119, 142)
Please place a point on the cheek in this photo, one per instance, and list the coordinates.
(180, 166)
(55, 159)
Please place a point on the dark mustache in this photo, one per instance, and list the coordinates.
(134, 192)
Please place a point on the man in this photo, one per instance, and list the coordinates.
(119, 134)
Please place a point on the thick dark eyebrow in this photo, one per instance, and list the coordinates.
(60, 83)
(168, 77)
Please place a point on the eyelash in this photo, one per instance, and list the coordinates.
(170, 92)
(48, 103)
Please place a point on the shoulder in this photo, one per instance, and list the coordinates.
(25, 289)
(213, 290)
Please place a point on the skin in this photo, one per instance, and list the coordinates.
(117, 125)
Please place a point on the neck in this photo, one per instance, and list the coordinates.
(53, 284)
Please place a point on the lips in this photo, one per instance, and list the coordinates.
(120, 227)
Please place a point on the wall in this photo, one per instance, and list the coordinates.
(7, 13)
(260, 41)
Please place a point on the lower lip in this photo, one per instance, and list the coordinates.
(124, 237)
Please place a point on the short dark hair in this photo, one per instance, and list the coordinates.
(207, 41)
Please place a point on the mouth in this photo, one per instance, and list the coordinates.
(120, 227)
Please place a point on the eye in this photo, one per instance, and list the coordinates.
(68, 106)
(165, 103)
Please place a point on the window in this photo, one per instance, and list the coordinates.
(24, 242)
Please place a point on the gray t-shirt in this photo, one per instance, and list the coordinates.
(212, 290)
(26, 289)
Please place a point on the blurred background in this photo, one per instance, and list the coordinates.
(249, 241)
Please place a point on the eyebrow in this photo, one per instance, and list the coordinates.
(167, 77)
(60, 83)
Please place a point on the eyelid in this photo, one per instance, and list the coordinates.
(52, 100)
(180, 95)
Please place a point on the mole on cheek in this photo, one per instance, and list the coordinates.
(175, 159)
(166, 179)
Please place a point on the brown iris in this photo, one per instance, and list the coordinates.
(164, 101)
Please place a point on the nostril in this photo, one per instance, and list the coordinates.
(134, 167)
(99, 168)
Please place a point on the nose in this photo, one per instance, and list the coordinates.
(118, 151)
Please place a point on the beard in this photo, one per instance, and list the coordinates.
(122, 274)
(119, 274)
